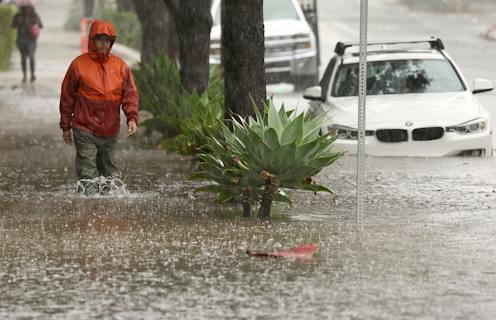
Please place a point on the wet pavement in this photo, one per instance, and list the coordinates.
(426, 248)
(163, 251)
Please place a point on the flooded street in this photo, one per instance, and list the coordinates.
(426, 248)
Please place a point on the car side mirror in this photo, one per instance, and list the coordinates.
(313, 93)
(482, 85)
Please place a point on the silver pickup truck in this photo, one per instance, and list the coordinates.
(291, 53)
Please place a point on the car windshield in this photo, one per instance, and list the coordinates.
(399, 77)
(273, 10)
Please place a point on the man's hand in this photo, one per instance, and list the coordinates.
(67, 135)
(132, 128)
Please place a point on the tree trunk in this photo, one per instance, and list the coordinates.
(125, 5)
(193, 23)
(158, 30)
(270, 191)
(243, 56)
(247, 196)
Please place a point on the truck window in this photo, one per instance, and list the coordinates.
(279, 10)
(273, 10)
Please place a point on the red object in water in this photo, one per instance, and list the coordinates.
(304, 251)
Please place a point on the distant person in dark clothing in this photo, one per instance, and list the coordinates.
(28, 26)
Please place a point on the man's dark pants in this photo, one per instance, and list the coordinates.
(94, 155)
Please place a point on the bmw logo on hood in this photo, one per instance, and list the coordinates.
(408, 123)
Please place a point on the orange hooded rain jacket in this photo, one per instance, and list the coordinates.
(94, 88)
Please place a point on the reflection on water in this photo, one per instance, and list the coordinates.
(164, 251)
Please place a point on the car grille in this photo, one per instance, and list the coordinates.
(426, 134)
(277, 50)
(278, 64)
(392, 135)
(286, 46)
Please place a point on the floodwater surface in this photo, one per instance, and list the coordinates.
(161, 250)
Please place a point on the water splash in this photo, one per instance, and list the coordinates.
(101, 186)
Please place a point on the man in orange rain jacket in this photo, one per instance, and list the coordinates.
(94, 88)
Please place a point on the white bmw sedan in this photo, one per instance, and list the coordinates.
(418, 102)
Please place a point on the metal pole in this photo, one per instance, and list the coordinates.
(317, 36)
(361, 111)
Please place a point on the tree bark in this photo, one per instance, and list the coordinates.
(243, 56)
(193, 23)
(246, 201)
(270, 191)
(158, 27)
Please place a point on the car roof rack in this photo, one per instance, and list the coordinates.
(435, 43)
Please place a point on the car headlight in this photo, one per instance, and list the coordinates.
(347, 133)
(472, 126)
(303, 45)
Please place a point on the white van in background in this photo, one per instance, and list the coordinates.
(291, 53)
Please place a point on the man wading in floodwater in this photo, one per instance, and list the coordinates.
(96, 84)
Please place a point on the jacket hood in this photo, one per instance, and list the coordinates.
(100, 27)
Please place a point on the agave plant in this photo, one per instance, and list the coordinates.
(184, 119)
(159, 85)
(263, 154)
(217, 164)
(220, 165)
(199, 117)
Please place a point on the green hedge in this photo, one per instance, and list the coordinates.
(127, 26)
(7, 35)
